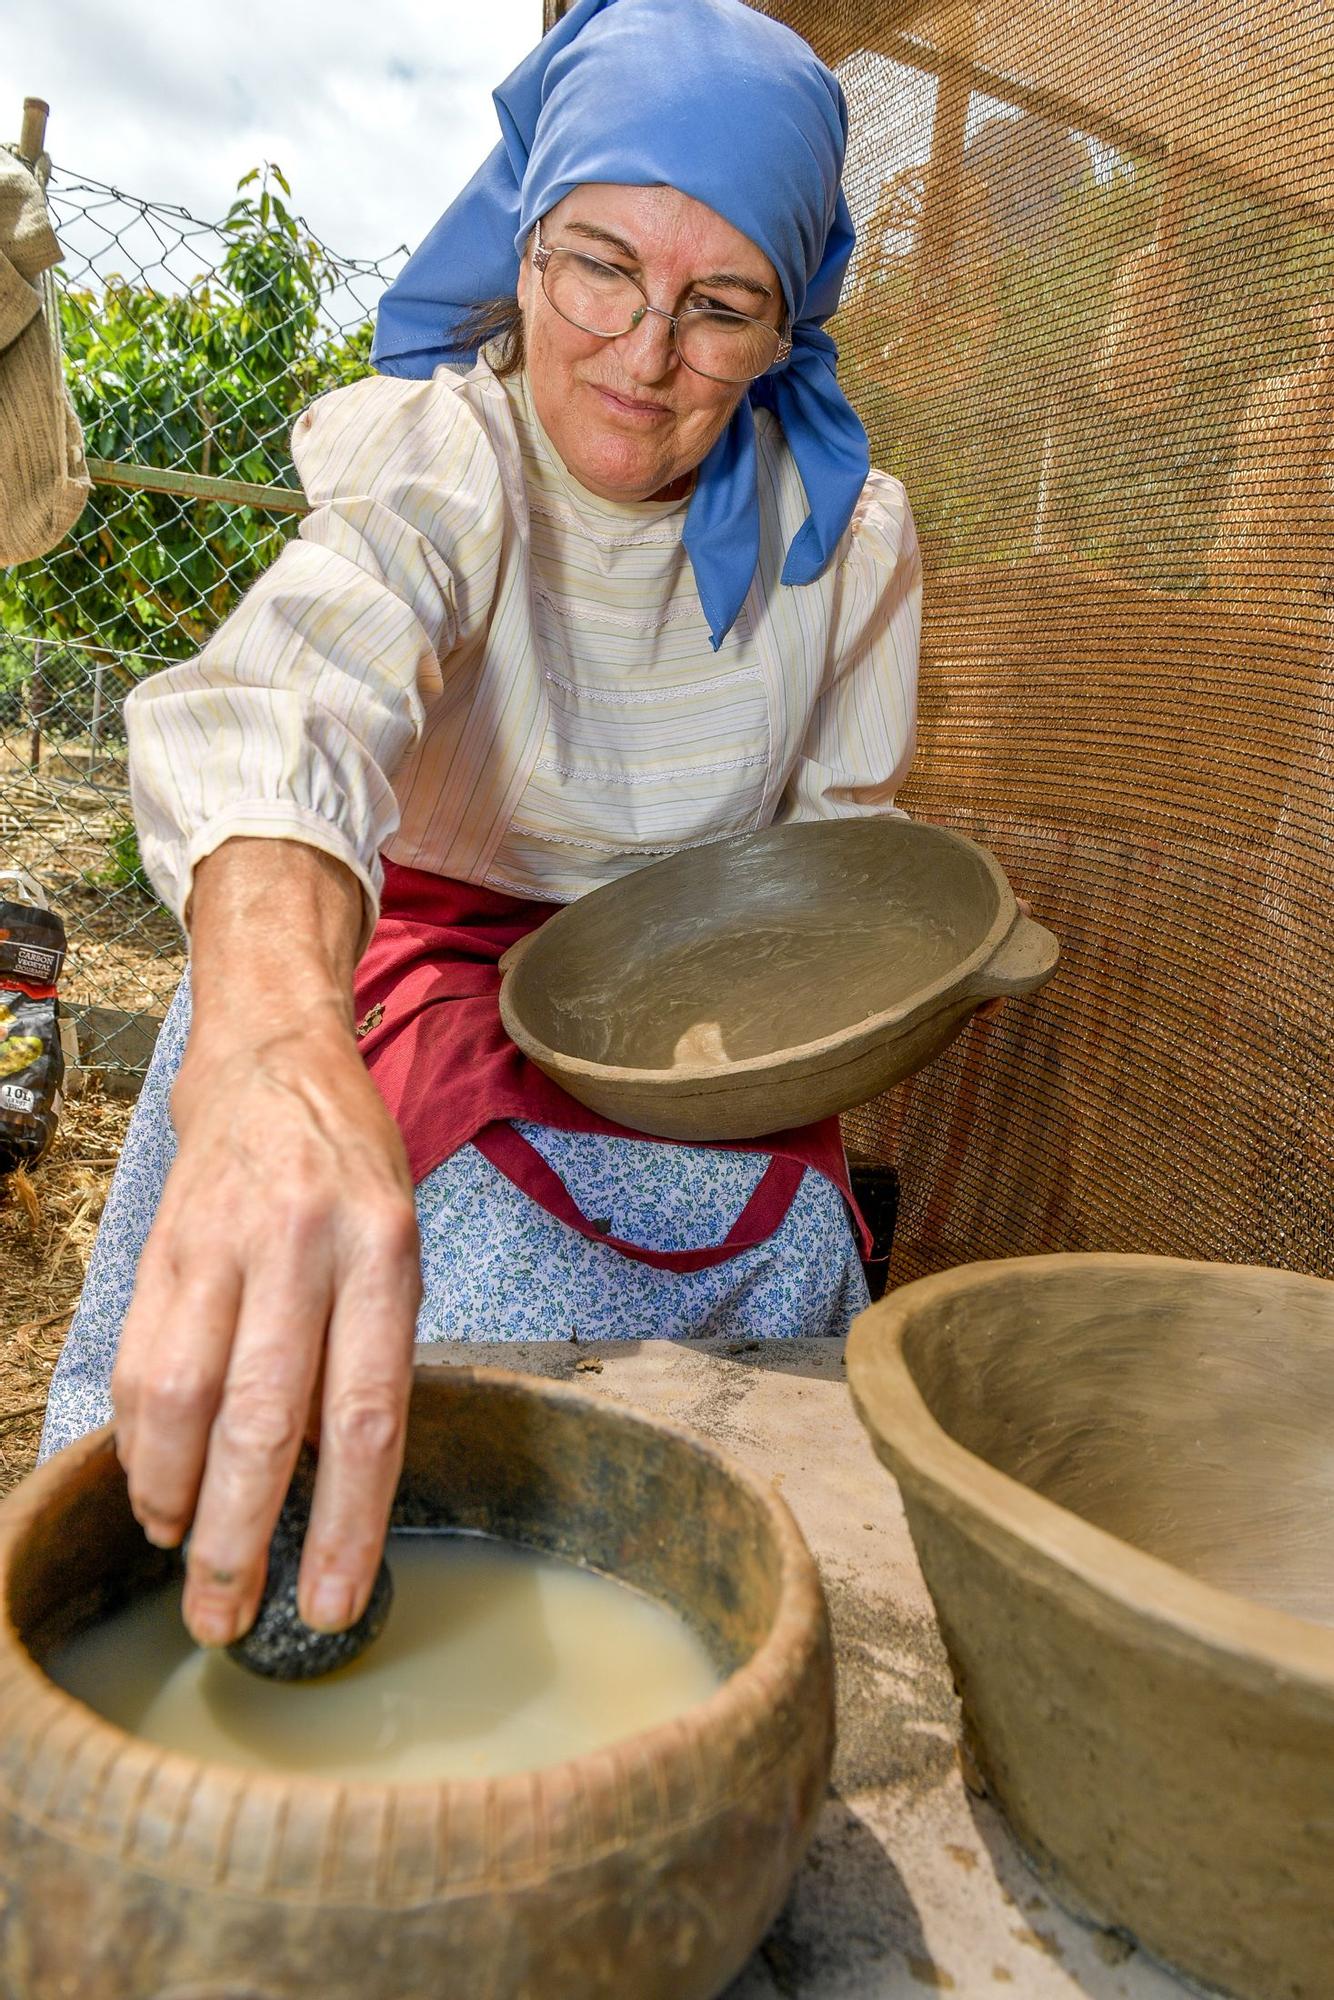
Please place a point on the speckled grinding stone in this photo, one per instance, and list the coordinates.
(280, 1645)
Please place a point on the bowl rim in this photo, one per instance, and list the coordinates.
(764, 1682)
(1260, 1642)
(749, 1070)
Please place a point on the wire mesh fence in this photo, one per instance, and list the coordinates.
(190, 348)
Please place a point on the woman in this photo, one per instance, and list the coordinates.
(625, 585)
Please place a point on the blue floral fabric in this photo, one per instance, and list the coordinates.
(495, 1266)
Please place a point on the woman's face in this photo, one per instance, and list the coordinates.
(627, 417)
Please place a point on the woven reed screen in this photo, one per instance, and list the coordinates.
(1091, 326)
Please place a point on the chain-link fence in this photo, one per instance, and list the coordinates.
(190, 348)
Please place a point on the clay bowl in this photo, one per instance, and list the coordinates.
(650, 1868)
(1119, 1476)
(755, 984)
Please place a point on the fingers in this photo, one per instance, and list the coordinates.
(287, 1221)
(367, 1382)
(253, 1445)
(168, 1379)
(284, 1340)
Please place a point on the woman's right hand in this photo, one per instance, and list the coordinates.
(280, 1282)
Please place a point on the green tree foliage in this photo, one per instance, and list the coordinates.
(205, 380)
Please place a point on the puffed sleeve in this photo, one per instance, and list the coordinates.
(294, 718)
(859, 741)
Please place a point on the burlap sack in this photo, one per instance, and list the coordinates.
(43, 478)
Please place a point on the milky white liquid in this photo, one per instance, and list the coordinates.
(494, 1659)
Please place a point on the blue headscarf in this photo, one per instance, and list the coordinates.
(709, 97)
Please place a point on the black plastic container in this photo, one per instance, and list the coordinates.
(32, 1063)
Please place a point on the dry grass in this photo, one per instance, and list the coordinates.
(46, 1232)
(60, 822)
(125, 951)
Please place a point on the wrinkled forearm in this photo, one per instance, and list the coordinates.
(275, 928)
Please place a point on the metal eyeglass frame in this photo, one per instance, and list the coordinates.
(542, 256)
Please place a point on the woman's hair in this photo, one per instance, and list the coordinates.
(498, 325)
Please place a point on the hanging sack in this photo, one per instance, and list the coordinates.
(43, 476)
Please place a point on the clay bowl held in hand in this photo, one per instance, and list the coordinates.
(755, 984)
(1119, 1476)
(650, 1868)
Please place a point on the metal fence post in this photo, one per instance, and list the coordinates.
(95, 727)
(36, 705)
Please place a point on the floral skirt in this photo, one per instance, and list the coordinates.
(495, 1266)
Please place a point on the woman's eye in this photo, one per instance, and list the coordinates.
(594, 268)
(714, 306)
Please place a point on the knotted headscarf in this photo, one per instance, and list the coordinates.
(713, 99)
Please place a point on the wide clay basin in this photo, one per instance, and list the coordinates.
(651, 1868)
(758, 983)
(1119, 1476)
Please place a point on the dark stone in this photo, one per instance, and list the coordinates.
(280, 1645)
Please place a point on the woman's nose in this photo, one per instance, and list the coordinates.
(648, 350)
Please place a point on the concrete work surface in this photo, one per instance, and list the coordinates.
(912, 1885)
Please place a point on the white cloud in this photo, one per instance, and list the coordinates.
(377, 115)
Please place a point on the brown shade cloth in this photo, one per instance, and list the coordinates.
(1091, 326)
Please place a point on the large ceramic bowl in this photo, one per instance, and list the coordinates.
(1119, 1475)
(650, 1868)
(754, 984)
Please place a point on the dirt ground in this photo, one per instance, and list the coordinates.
(60, 822)
(125, 951)
(46, 1233)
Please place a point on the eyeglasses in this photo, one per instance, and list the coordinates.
(598, 298)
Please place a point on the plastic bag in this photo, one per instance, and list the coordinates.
(32, 1063)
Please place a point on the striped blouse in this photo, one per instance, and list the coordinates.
(468, 663)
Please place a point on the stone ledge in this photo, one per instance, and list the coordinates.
(912, 1885)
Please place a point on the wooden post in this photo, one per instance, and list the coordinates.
(1044, 512)
(943, 187)
(32, 137)
(944, 177)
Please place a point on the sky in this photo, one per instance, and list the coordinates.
(377, 113)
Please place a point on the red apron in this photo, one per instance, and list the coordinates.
(430, 1031)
